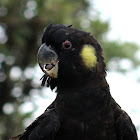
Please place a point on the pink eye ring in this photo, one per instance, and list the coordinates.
(66, 45)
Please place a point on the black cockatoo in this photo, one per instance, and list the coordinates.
(84, 108)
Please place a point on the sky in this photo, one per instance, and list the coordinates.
(123, 16)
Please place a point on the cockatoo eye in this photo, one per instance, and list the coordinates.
(66, 45)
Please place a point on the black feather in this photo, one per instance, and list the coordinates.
(84, 108)
(70, 26)
(43, 78)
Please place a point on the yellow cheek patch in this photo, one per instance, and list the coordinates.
(88, 56)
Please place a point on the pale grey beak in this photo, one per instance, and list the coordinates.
(48, 60)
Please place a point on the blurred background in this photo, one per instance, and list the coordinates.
(115, 24)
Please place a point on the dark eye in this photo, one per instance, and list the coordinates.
(66, 45)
